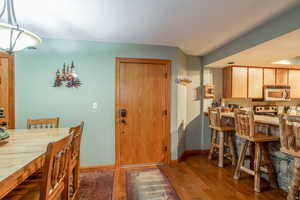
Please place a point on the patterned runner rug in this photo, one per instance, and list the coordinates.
(149, 184)
(96, 185)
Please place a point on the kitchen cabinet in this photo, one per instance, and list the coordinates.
(235, 82)
(282, 76)
(294, 77)
(255, 83)
(269, 76)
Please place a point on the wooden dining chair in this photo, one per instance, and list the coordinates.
(43, 123)
(290, 144)
(222, 138)
(54, 182)
(74, 166)
(258, 142)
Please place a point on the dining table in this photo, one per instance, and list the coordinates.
(24, 154)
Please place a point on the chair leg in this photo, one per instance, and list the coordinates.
(257, 163)
(66, 192)
(237, 171)
(252, 154)
(232, 148)
(213, 141)
(221, 149)
(295, 184)
(268, 163)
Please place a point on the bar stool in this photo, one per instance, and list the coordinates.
(290, 144)
(222, 138)
(245, 129)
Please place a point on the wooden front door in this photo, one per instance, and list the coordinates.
(142, 111)
(7, 101)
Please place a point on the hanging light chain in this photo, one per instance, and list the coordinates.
(3, 9)
(14, 32)
(11, 16)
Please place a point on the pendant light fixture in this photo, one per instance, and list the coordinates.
(12, 37)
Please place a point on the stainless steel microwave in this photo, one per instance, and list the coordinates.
(277, 93)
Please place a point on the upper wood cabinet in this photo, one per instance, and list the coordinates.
(248, 82)
(255, 83)
(282, 76)
(269, 76)
(235, 82)
(294, 77)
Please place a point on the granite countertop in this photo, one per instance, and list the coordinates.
(263, 119)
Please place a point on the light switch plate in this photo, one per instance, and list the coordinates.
(95, 105)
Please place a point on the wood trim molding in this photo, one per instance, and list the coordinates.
(191, 152)
(97, 168)
(11, 85)
(113, 167)
(142, 60)
(168, 63)
(293, 67)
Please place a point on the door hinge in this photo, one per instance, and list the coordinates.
(165, 112)
(166, 75)
(166, 148)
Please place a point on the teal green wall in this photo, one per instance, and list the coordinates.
(95, 64)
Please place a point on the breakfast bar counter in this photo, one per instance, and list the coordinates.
(24, 154)
(262, 119)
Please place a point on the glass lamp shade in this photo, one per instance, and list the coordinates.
(25, 40)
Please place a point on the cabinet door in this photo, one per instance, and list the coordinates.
(294, 77)
(239, 82)
(255, 83)
(269, 76)
(282, 76)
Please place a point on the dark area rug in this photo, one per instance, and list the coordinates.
(149, 184)
(96, 185)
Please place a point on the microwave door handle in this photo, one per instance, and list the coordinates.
(285, 94)
(288, 94)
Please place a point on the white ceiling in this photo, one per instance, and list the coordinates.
(285, 47)
(195, 26)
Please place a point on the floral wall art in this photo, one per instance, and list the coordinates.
(67, 77)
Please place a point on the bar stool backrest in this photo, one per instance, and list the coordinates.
(244, 123)
(290, 134)
(214, 116)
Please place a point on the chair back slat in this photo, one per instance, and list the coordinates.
(55, 173)
(76, 133)
(244, 123)
(289, 133)
(43, 123)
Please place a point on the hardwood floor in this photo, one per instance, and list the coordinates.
(196, 178)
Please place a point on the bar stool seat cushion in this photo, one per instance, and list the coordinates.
(261, 137)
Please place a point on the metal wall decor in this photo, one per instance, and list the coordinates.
(67, 77)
